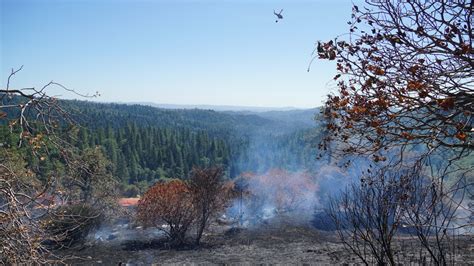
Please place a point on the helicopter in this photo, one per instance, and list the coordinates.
(279, 15)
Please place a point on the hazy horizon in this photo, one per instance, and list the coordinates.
(228, 53)
(211, 106)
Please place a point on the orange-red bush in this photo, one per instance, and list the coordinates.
(168, 206)
(175, 206)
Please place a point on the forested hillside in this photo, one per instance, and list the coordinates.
(145, 144)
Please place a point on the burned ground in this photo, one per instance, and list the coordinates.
(274, 242)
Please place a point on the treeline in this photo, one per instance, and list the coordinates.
(145, 144)
(145, 154)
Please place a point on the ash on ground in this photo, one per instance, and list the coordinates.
(275, 241)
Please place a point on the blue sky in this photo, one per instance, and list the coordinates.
(177, 52)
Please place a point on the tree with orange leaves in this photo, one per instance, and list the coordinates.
(176, 206)
(405, 77)
(168, 204)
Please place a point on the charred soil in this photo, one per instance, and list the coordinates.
(276, 243)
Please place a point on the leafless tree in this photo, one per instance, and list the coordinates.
(20, 231)
(210, 195)
(431, 211)
(24, 199)
(368, 215)
(32, 110)
(406, 96)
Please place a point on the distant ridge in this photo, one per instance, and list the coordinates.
(218, 107)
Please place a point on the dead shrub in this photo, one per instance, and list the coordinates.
(70, 225)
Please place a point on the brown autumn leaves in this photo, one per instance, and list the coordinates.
(405, 76)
